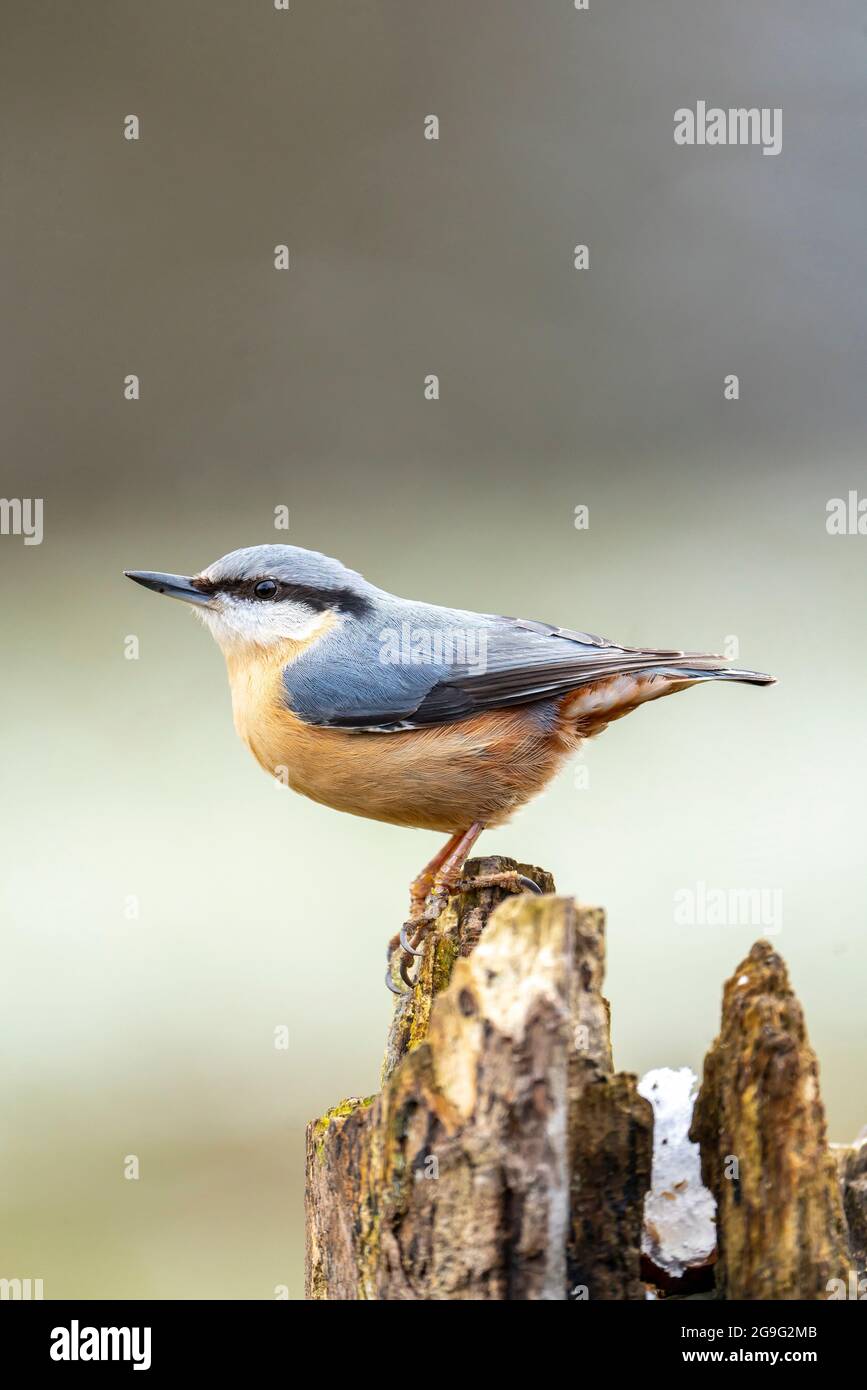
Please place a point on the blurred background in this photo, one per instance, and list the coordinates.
(125, 788)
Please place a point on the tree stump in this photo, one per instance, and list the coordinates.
(760, 1121)
(503, 1158)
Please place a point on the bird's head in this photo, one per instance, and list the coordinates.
(266, 594)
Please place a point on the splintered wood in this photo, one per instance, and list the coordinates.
(503, 1159)
(760, 1122)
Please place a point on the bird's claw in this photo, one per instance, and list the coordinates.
(510, 879)
(410, 952)
(403, 971)
(389, 984)
(530, 885)
(404, 939)
(414, 931)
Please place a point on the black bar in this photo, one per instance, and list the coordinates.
(218, 1339)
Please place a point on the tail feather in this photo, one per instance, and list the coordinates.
(707, 668)
(611, 696)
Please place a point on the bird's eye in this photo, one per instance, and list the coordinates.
(266, 588)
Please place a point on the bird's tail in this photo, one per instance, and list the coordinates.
(642, 676)
(711, 668)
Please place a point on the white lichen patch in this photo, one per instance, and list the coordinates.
(679, 1211)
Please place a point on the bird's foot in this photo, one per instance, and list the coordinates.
(413, 932)
(510, 879)
(409, 940)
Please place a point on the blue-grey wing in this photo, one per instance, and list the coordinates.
(432, 666)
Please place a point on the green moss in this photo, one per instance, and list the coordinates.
(444, 960)
(436, 972)
(337, 1112)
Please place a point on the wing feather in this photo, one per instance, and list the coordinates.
(521, 662)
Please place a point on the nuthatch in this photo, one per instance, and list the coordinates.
(407, 712)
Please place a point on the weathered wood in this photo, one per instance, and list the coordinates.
(851, 1161)
(761, 1125)
(610, 1153)
(502, 1159)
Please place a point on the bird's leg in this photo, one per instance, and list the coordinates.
(449, 879)
(424, 882)
(431, 890)
(415, 928)
(448, 876)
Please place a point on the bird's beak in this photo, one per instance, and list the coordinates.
(173, 585)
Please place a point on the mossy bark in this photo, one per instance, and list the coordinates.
(503, 1159)
(760, 1122)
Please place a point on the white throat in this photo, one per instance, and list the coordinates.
(237, 623)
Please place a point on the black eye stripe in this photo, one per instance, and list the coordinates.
(312, 596)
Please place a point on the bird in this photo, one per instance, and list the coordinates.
(410, 713)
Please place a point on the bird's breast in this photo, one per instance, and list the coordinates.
(258, 704)
(438, 778)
